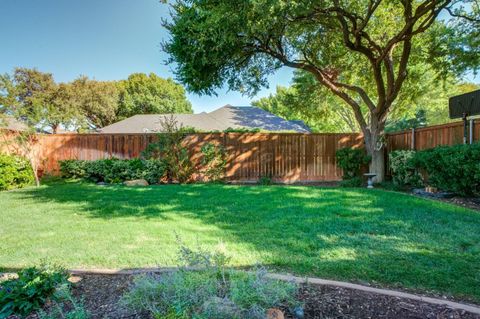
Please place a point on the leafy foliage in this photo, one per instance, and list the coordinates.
(214, 161)
(67, 307)
(82, 104)
(403, 171)
(214, 291)
(15, 172)
(113, 170)
(31, 290)
(265, 180)
(170, 150)
(451, 168)
(151, 94)
(346, 46)
(351, 161)
(35, 97)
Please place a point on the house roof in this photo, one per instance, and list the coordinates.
(219, 120)
(12, 124)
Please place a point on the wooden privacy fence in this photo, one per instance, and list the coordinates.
(428, 137)
(283, 157)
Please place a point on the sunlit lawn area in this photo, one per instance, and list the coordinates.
(387, 238)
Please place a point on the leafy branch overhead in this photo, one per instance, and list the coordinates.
(359, 50)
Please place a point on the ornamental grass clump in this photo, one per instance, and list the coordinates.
(205, 288)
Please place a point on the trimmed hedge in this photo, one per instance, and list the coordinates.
(451, 168)
(15, 172)
(404, 172)
(114, 170)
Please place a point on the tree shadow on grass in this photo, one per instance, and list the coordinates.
(349, 234)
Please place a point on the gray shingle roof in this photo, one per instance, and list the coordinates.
(219, 120)
(10, 123)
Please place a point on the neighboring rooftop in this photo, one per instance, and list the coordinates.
(12, 124)
(234, 117)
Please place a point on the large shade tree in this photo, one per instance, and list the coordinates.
(151, 94)
(34, 97)
(240, 42)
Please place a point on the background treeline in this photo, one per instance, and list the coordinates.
(423, 102)
(86, 104)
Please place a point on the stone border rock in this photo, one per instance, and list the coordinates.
(310, 280)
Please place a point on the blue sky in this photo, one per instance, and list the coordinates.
(102, 39)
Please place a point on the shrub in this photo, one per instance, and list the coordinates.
(68, 308)
(351, 161)
(352, 182)
(15, 172)
(451, 168)
(29, 292)
(73, 169)
(214, 291)
(113, 170)
(214, 161)
(264, 180)
(170, 150)
(403, 169)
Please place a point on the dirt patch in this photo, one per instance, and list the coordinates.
(332, 302)
(101, 295)
(467, 202)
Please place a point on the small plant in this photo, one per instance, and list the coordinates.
(15, 172)
(265, 180)
(403, 170)
(58, 309)
(352, 182)
(214, 162)
(212, 291)
(31, 290)
(170, 150)
(351, 161)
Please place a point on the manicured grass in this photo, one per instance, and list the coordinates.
(350, 234)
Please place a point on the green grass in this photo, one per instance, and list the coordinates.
(377, 236)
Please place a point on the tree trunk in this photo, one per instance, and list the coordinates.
(375, 148)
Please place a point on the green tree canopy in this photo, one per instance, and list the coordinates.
(36, 98)
(96, 100)
(151, 94)
(359, 50)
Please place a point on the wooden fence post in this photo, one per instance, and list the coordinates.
(471, 131)
(413, 139)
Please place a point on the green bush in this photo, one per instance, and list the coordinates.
(170, 150)
(451, 168)
(15, 172)
(113, 170)
(214, 162)
(351, 161)
(213, 292)
(403, 169)
(352, 182)
(31, 290)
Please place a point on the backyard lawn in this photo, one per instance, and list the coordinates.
(375, 236)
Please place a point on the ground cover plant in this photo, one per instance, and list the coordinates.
(385, 238)
(213, 291)
(31, 290)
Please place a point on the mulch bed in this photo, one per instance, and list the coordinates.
(101, 294)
